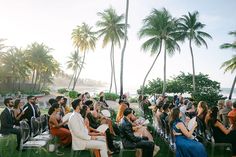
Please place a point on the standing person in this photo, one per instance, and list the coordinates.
(30, 109)
(184, 145)
(131, 141)
(7, 121)
(232, 117)
(18, 111)
(80, 138)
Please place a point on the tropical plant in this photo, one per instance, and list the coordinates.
(190, 29)
(111, 28)
(123, 49)
(83, 39)
(161, 30)
(230, 65)
(75, 64)
(42, 65)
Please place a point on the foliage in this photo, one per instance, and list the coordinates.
(133, 100)
(206, 89)
(27, 69)
(111, 96)
(160, 29)
(46, 91)
(72, 94)
(83, 39)
(111, 29)
(62, 90)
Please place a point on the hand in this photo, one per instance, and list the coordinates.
(102, 133)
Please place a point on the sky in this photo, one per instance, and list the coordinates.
(51, 22)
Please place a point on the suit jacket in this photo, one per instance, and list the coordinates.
(78, 131)
(129, 140)
(7, 121)
(29, 113)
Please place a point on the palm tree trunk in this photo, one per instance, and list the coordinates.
(71, 79)
(77, 77)
(123, 50)
(32, 81)
(164, 82)
(232, 88)
(191, 50)
(114, 71)
(112, 45)
(151, 68)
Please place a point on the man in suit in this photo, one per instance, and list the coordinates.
(7, 121)
(80, 138)
(31, 110)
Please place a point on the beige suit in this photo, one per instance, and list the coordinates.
(80, 138)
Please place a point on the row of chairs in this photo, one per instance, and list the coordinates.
(36, 137)
(163, 131)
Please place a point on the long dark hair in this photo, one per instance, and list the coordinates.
(16, 103)
(83, 110)
(174, 115)
(52, 108)
(211, 117)
(204, 106)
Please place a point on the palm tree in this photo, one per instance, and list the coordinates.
(123, 50)
(112, 30)
(190, 28)
(160, 29)
(84, 39)
(74, 63)
(38, 59)
(230, 65)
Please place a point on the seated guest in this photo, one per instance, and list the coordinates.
(102, 100)
(121, 108)
(232, 117)
(56, 125)
(184, 145)
(80, 138)
(66, 107)
(31, 110)
(131, 141)
(7, 121)
(225, 111)
(95, 122)
(18, 111)
(202, 110)
(220, 133)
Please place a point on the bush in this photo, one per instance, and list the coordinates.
(46, 92)
(62, 90)
(72, 94)
(133, 100)
(111, 96)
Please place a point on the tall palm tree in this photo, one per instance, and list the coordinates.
(123, 50)
(190, 28)
(160, 29)
(112, 30)
(83, 39)
(75, 64)
(230, 65)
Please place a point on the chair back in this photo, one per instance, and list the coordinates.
(35, 127)
(25, 131)
(43, 123)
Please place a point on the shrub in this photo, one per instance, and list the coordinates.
(73, 94)
(133, 100)
(111, 96)
(62, 90)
